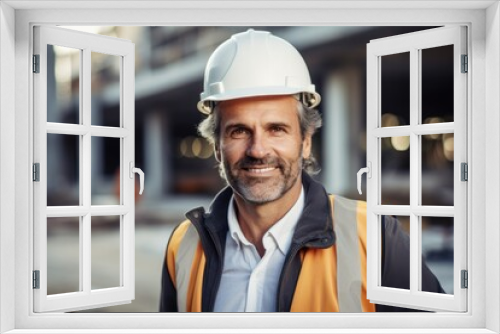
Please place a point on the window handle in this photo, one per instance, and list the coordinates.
(141, 175)
(368, 171)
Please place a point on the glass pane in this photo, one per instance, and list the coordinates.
(63, 84)
(437, 250)
(395, 89)
(63, 255)
(403, 280)
(395, 170)
(437, 84)
(106, 263)
(437, 169)
(63, 170)
(105, 74)
(105, 171)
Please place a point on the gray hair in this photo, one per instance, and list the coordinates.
(309, 119)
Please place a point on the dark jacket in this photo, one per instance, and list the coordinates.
(313, 231)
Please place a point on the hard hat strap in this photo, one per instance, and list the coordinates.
(305, 98)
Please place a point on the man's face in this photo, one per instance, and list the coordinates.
(261, 147)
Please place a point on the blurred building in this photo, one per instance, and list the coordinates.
(169, 72)
(180, 168)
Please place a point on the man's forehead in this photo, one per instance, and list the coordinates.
(268, 107)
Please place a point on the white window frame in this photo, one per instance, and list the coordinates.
(414, 43)
(124, 51)
(16, 21)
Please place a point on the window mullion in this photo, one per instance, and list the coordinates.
(418, 125)
(81, 160)
(85, 166)
(124, 174)
(414, 168)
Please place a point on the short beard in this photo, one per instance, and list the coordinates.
(263, 190)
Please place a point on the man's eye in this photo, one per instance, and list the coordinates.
(277, 129)
(239, 133)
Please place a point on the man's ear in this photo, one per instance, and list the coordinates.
(306, 146)
(217, 153)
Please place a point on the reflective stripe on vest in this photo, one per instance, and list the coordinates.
(189, 261)
(348, 285)
(334, 279)
(350, 227)
(330, 280)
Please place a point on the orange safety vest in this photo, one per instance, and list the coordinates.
(331, 279)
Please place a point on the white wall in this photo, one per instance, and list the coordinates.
(217, 16)
(7, 161)
(492, 148)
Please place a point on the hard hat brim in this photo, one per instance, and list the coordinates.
(204, 104)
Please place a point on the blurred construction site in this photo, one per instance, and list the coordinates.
(180, 168)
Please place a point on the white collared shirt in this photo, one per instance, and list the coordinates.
(249, 283)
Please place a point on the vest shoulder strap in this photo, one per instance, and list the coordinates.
(181, 253)
(349, 220)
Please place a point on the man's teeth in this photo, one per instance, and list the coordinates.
(261, 170)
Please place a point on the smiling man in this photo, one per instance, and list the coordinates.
(273, 240)
(261, 150)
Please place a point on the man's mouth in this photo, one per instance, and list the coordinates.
(260, 170)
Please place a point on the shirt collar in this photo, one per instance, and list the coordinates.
(281, 232)
(234, 227)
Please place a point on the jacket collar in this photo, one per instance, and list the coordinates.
(314, 229)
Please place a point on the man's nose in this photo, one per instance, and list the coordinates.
(258, 146)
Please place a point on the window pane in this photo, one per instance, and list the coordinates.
(395, 170)
(437, 169)
(63, 255)
(105, 89)
(437, 250)
(63, 84)
(395, 92)
(106, 185)
(437, 84)
(403, 279)
(106, 262)
(63, 170)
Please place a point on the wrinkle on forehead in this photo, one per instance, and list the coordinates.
(259, 110)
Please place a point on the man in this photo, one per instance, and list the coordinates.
(273, 240)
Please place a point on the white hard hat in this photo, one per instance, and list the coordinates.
(255, 63)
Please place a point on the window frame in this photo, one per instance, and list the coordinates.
(85, 129)
(414, 44)
(485, 44)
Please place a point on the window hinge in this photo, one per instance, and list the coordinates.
(465, 279)
(465, 64)
(465, 171)
(36, 279)
(36, 172)
(36, 63)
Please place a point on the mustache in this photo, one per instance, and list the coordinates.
(249, 162)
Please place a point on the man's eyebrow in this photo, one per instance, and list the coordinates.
(281, 124)
(231, 126)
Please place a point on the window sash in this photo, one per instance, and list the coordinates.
(86, 297)
(413, 43)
